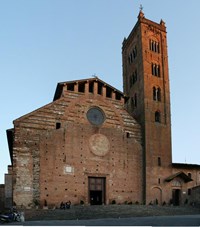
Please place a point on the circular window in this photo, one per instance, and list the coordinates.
(95, 116)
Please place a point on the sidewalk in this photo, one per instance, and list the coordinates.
(183, 220)
(108, 211)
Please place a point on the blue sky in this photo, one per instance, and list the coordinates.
(43, 42)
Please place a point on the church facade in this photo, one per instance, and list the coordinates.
(96, 145)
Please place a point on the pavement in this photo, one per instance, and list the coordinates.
(113, 215)
(178, 220)
(108, 211)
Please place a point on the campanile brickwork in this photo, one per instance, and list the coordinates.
(146, 83)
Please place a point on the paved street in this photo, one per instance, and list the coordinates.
(114, 215)
(182, 220)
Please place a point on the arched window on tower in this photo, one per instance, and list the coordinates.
(157, 117)
(154, 46)
(134, 76)
(156, 94)
(155, 70)
(134, 101)
(134, 52)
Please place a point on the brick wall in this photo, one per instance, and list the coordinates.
(43, 154)
(2, 196)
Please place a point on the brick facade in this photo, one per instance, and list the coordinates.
(195, 196)
(8, 188)
(57, 149)
(146, 83)
(96, 145)
(2, 196)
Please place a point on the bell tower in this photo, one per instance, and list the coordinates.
(146, 85)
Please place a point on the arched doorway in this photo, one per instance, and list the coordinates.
(157, 195)
(176, 197)
(176, 192)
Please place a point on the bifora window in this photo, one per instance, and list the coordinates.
(95, 116)
(155, 70)
(133, 78)
(132, 55)
(156, 94)
(154, 46)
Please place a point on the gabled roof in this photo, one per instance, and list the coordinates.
(60, 85)
(181, 174)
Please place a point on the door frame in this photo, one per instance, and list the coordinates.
(176, 196)
(97, 187)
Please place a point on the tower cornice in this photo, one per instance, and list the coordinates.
(142, 20)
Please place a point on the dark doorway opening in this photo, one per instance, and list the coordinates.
(97, 190)
(176, 194)
(96, 197)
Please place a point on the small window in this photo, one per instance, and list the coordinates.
(158, 180)
(81, 87)
(108, 92)
(157, 116)
(58, 125)
(152, 69)
(157, 70)
(133, 78)
(189, 175)
(132, 55)
(154, 94)
(159, 94)
(134, 52)
(118, 96)
(159, 161)
(91, 87)
(128, 135)
(100, 88)
(70, 87)
(189, 191)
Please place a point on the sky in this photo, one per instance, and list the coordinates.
(43, 42)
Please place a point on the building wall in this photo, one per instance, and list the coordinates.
(195, 196)
(56, 150)
(8, 190)
(2, 196)
(157, 155)
(43, 154)
(188, 195)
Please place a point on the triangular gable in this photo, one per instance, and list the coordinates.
(181, 174)
(59, 88)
